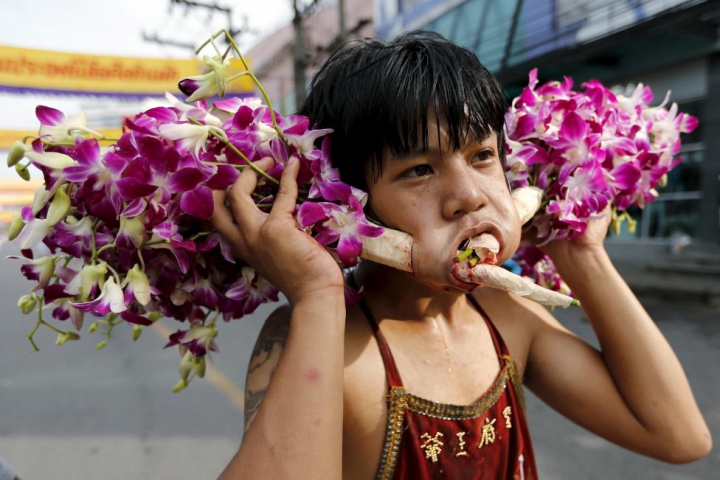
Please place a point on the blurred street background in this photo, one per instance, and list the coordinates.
(71, 412)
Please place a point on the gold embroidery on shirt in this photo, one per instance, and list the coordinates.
(396, 414)
(399, 400)
(432, 446)
(516, 381)
(456, 412)
(506, 413)
(461, 444)
(488, 433)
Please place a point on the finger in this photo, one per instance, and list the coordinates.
(222, 222)
(288, 192)
(240, 192)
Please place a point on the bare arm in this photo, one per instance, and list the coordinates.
(294, 407)
(296, 431)
(263, 362)
(634, 391)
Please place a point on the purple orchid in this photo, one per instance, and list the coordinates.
(587, 150)
(119, 229)
(344, 224)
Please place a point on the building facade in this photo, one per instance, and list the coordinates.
(666, 44)
(272, 58)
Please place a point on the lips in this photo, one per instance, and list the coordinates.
(454, 279)
(484, 238)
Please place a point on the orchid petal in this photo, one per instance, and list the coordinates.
(198, 202)
(49, 116)
(54, 160)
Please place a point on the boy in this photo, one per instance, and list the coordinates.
(422, 379)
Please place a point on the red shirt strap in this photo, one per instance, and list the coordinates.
(500, 347)
(391, 371)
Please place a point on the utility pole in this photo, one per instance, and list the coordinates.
(302, 57)
(341, 13)
(299, 55)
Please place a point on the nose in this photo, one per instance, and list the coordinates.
(463, 192)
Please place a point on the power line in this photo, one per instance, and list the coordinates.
(212, 8)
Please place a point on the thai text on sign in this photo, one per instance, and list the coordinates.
(26, 70)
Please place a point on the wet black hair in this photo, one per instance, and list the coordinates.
(374, 93)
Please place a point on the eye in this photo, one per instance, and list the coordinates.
(418, 171)
(484, 156)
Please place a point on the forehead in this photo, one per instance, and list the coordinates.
(439, 140)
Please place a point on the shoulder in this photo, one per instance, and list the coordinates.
(519, 321)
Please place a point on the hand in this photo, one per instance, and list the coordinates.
(273, 243)
(591, 240)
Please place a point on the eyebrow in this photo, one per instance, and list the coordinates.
(434, 150)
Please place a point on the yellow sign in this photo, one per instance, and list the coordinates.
(9, 137)
(23, 69)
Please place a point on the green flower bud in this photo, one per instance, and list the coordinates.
(59, 207)
(101, 345)
(65, 336)
(154, 316)
(40, 199)
(16, 226)
(180, 386)
(17, 153)
(187, 364)
(76, 317)
(93, 326)
(137, 331)
(199, 366)
(27, 303)
(632, 225)
(22, 171)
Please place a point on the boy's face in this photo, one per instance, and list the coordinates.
(442, 197)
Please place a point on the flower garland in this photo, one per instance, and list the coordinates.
(587, 150)
(120, 233)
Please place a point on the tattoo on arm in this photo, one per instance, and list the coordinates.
(267, 343)
(263, 360)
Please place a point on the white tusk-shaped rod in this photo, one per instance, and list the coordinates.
(498, 277)
(527, 201)
(394, 248)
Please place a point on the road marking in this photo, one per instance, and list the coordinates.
(212, 374)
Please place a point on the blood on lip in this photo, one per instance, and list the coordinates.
(460, 283)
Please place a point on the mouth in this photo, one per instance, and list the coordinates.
(483, 245)
(455, 280)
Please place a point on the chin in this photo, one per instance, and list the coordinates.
(445, 282)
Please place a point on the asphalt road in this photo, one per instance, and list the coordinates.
(70, 412)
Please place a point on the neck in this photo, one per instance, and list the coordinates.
(392, 293)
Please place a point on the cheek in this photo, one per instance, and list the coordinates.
(399, 211)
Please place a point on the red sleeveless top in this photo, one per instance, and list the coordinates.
(428, 440)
